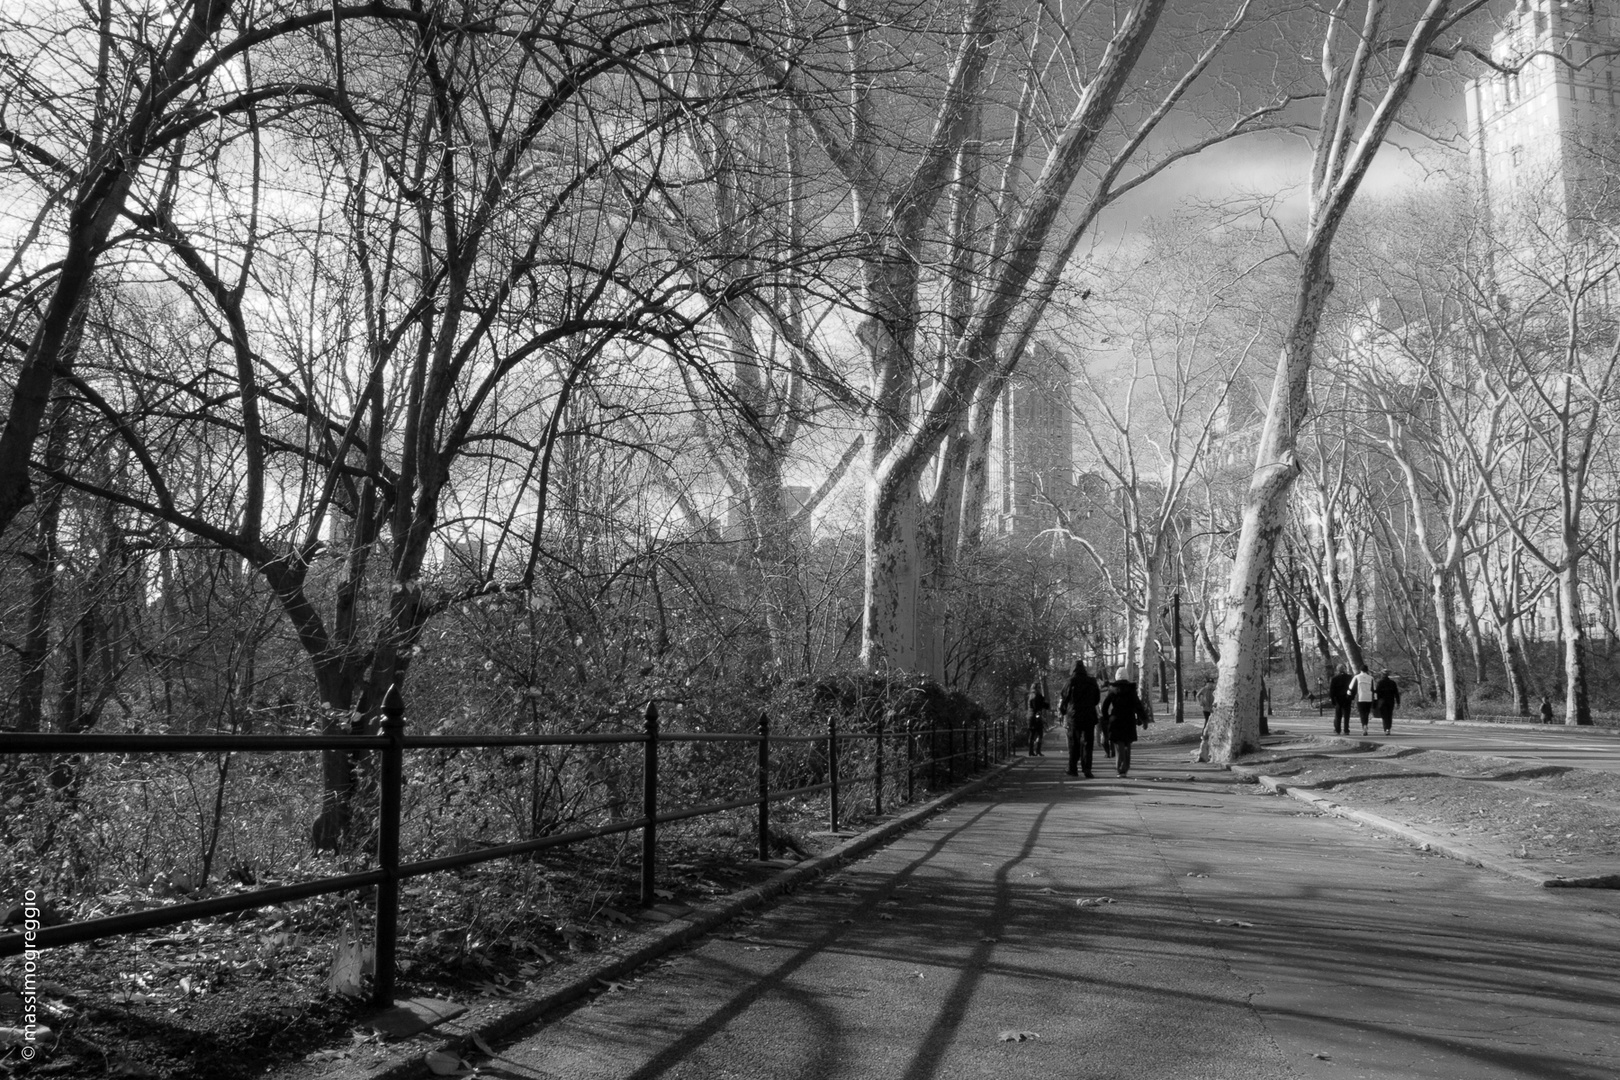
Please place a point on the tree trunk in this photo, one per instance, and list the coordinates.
(1338, 610)
(894, 576)
(1577, 708)
(1450, 688)
(1476, 638)
(1291, 614)
(1245, 636)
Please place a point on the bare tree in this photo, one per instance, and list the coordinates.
(1553, 363)
(1153, 412)
(1362, 94)
(406, 288)
(940, 349)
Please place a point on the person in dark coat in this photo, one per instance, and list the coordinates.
(1037, 717)
(1339, 691)
(1080, 700)
(1386, 695)
(1105, 690)
(1123, 713)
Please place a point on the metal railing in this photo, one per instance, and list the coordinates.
(965, 749)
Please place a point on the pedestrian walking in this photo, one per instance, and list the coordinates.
(1206, 698)
(1546, 710)
(1339, 692)
(1105, 690)
(1387, 695)
(1362, 689)
(1123, 713)
(1037, 717)
(1080, 698)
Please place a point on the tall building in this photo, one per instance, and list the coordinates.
(1545, 154)
(1031, 445)
(1544, 129)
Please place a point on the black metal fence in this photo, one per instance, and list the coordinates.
(936, 755)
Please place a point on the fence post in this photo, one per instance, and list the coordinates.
(649, 807)
(391, 779)
(832, 770)
(764, 786)
(877, 788)
(911, 763)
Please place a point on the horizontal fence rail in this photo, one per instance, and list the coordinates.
(941, 754)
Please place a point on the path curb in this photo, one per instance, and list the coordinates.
(1519, 725)
(495, 1020)
(1426, 841)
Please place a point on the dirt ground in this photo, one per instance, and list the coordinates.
(1548, 816)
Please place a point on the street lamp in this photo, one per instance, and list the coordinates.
(1175, 639)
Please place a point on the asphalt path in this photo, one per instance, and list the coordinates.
(1178, 925)
(1553, 744)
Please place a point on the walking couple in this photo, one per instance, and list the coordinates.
(1116, 706)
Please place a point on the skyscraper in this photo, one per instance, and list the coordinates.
(1031, 445)
(1544, 127)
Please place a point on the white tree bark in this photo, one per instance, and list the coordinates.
(1344, 152)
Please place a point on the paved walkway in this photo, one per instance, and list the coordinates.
(1179, 925)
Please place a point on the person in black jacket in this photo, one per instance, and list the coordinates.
(1339, 691)
(1386, 695)
(1037, 719)
(1123, 713)
(1080, 699)
(1104, 691)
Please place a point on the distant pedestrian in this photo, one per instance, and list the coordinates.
(1123, 713)
(1546, 710)
(1080, 699)
(1387, 695)
(1105, 690)
(1339, 691)
(1362, 688)
(1206, 698)
(1037, 717)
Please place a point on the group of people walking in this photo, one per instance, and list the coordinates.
(1089, 704)
(1366, 694)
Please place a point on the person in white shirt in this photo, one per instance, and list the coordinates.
(1362, 688)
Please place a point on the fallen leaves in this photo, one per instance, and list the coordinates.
(1017, 1036)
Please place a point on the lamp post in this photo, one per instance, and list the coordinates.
(1175, 647)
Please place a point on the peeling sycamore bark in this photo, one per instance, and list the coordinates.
(1344, 151)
